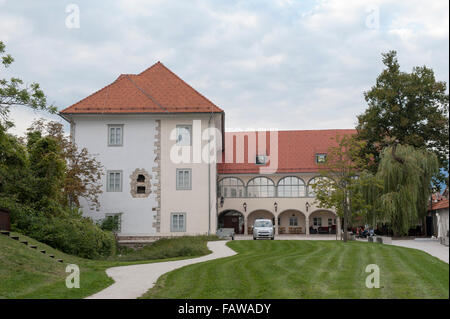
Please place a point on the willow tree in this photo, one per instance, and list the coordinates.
(406, 173)
(343, 179)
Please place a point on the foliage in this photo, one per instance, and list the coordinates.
(69, 233)
(83, 172)
(13, 92)
(343, 181)
(407, 108)
(406, 173)
(110, 223)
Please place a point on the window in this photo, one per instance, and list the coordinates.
(291, 186)
(113, 221)
(184, 135)
(260, 159)
(114, 181)
(184, 179)
(231, 187)
(178, 222)
(311, 192)
(140, 190)
(321, 158)
(115, 135)
(330, 222)
(261, 187)
(318, 221)
(293, 221)
(140, 178)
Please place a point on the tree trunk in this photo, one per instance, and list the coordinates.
(345, 221)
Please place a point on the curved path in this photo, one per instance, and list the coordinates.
(133, 281)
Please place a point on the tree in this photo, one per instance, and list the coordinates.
(408, 109)
(343, 179)
(83, 172)
(13, 92)
(48, 171)
(406, 173)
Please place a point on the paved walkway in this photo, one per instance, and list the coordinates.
(133, 281)
(433, 247)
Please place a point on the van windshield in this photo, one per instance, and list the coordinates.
(263, 223)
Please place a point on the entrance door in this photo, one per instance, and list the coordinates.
(231, 222)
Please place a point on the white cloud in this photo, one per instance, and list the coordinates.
(283, 63)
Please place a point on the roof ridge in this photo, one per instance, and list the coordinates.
(197, 92)
(147, 94)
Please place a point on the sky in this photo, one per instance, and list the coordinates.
(278, 64)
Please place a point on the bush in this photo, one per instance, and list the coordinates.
(110, 223)
(71, 233)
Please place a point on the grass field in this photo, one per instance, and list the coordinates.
(308, 269)
(27, 273)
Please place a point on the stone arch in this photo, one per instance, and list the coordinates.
(259, 213)
(292, 221)
(231, 218)
(321, 218)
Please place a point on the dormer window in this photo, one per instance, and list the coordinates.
(260, 159)
(321, 158)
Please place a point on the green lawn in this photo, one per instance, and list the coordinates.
(27, 273)
(308, 269)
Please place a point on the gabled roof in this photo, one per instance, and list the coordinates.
(155, 90)
(296, 150)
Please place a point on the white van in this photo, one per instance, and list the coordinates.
(263, 228)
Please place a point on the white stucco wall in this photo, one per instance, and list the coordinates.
(193, 202)
(137, 152)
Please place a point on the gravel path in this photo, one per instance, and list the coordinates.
(433, 247)
(133, 281)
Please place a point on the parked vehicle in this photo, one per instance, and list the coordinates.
(263, 228)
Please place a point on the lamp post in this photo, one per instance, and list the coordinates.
(245, 206)
(307, 205)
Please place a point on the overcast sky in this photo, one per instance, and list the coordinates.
(282, 64)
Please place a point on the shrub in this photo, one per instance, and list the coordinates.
(71, 233)
(109, 223)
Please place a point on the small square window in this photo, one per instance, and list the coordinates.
(115, 135)
(260, 159)
(114, 181)
(178, 222)
(321, 158)
(184, 134)
(184, 179)
(140, 190)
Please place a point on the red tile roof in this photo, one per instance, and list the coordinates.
(296, 150)
(155, 90)
(440, 204)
